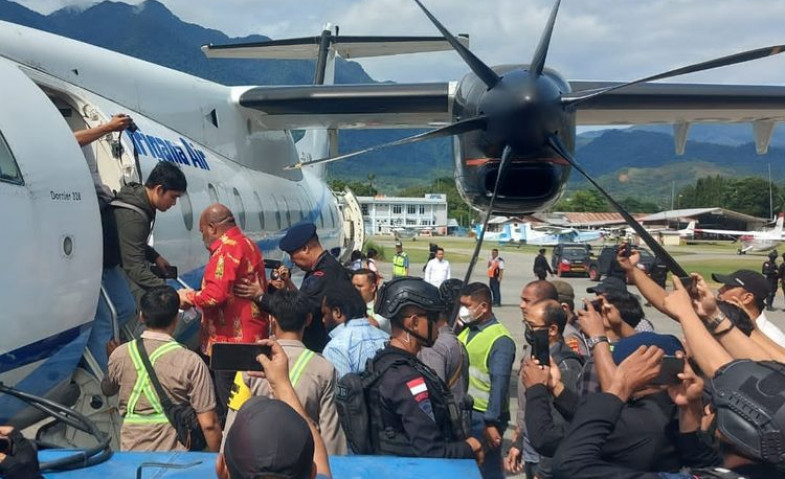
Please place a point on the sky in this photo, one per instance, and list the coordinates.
(614, 40)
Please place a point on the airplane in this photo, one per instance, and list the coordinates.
(514, 137)
(524, 233)
(687, 232)
(763, 240)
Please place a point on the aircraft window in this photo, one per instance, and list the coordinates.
(213, 194)
(261, 210)
(9, 170)
(288, 213)
(188, 211)
(332, 218)
(240, 207)
(277, 212)
(321, 218)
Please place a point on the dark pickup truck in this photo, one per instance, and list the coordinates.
(606, 262)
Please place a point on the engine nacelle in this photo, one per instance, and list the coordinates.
(526, 112)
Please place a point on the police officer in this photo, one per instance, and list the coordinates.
(400, 261)
(321, 269)
(781, 274)
(412, 411)
(771, 272)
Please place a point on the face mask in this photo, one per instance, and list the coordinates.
(528, 335)
(465, 315)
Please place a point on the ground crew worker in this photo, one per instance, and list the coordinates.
(541, 266)
(491, 354)
(495, 275)
(400, 261)
(771, 272)
(411, 410)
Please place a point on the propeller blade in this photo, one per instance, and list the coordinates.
(578, 97)
(538, 62)
(488, 76)
(475, 123)
(655, 246)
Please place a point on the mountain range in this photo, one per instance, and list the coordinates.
(638, 161)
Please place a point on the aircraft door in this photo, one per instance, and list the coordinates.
(52, 233)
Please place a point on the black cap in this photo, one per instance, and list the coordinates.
(611, 284)
(297, 236)
(268, 438)
(753, 282)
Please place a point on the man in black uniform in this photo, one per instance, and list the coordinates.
(771, 272)
(781, 274)
(321, 269)
(541, 266)
(412, 411)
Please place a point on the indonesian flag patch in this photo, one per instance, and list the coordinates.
(420, 392)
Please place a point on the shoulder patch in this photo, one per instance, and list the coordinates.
(419, 390)
(239, 394)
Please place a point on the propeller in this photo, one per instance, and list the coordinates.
(471, 124)
(574, 98)
(652, 243)
(483, 71)
(538, 62)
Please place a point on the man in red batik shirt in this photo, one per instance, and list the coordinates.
(226, 318)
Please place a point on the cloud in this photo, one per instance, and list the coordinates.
(593, 39)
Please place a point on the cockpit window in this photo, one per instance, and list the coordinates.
(9, 170)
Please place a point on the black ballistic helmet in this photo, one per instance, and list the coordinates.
(408, 291)
(749, 397)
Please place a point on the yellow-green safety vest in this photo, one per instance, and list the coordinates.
(479, 349)
(399, 264)
(144, 386)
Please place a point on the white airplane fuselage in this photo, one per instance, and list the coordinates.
(52, 243)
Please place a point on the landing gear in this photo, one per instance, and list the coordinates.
(740, 251)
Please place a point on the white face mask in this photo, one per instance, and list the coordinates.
(465, 315)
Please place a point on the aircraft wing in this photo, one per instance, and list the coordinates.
(727, 232)
(680, 103)
(375, 105)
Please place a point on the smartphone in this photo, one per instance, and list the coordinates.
(5, 445)
(670, 368)
(169, 272)
(596, 304)
(541, 350)
(237, 357)
(625, 250)
(690, 284)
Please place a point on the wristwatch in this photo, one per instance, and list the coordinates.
(714, 323)
(593, 342)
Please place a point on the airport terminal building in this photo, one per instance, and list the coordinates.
(391, 214)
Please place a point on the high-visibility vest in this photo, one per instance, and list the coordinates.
(399, 264)
(479, 350)
(144, 386)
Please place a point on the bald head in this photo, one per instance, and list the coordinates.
(214, 222)
(535, 292)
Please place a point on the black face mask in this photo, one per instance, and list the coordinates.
(528, 335)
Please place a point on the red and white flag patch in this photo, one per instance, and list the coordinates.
(418, 389)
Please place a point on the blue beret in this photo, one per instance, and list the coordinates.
(296, 237)
(667, 342)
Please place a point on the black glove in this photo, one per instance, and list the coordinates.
(22, 459)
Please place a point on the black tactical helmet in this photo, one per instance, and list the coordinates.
(408, 291)
(773, 254)
(749, 397)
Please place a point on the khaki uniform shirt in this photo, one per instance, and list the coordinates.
(182, 374)
(315, 389)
